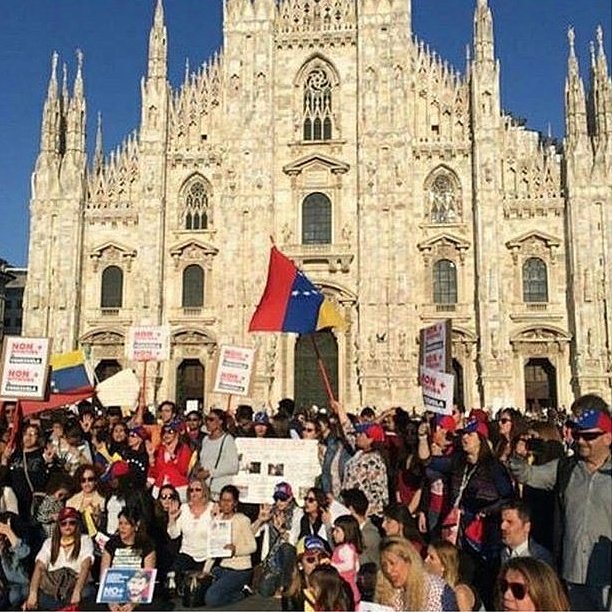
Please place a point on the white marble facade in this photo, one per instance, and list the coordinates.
(397, 184)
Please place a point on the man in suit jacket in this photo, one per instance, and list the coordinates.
(515, 528)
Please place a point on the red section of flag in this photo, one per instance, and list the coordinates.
(55, 400)
(272, 308)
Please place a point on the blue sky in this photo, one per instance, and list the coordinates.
(531, 43)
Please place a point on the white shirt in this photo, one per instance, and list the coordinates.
(86, 552)
(194, 530)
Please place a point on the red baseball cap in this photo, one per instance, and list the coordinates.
(444, 421)
(374, 431)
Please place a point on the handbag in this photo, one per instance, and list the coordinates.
(58, 583)
(452, 522)
(195, 589)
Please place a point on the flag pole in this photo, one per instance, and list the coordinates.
(322, 371)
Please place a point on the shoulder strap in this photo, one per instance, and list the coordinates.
(565, 467)
(220, 451)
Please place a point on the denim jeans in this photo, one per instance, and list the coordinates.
(227, 586)
(283, 562)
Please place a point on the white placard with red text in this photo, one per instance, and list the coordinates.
(148, 343)
(437, 389)
(435, 350)
(234, 370)
(25, 367)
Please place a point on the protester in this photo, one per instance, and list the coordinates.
(397, 522)
(442, 560)
(192, 521)
(88, 499)
(583, 504)
(347, 548)
(526, 584)
(315, 519)
(262, 426)
(330, 591)
(234, 572)
(14, 552)
(62, 571)
(403, 583)
(219, 455)
(357, 503)
(279, 526)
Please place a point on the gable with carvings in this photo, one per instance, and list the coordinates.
(193, 251)
(112, 253)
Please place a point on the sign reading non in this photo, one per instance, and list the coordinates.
(234, 370)
(148, 343)
(25, 368)
(437, 388)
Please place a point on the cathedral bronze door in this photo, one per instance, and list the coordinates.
(190, 382)
(309, 387)
(540, 384)
(458, 395)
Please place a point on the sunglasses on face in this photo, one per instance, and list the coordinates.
(587, 436)
(68, 522)
(88, 479)
(167, 496)
(309, 429)
(312, 559)
(518, 589)
(312, 500)
(192, 489)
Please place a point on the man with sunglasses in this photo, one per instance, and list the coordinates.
(583, 504)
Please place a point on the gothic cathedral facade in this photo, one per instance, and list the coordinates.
(396, 183)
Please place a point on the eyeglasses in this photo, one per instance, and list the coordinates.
(312, 500)
(167, 496)
(505, 420)
(518, 589)
(88, 479)
(192, 489)
(66, 522)
(312, 559)
(587, 436)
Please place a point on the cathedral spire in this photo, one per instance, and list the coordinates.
(483, 33)
(49, 133)
(98, 150)
(78, 81)
(601, 91)
(75, 115)
(575, 105)
(52, 89)
(158, 46)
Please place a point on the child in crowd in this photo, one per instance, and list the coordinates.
(348, 546)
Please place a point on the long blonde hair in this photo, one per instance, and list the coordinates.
(449, 557)
(414, 590)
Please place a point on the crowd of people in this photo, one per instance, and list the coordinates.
(475, 511)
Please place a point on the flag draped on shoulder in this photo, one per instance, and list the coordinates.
(290, 301)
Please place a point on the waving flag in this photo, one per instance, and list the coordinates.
(291, 303)
(69, 373)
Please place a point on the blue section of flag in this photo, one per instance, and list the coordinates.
(69, 379)
(303, 306)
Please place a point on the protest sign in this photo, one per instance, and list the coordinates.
(234, 370)
(437, 388)
(25, 368)
(435, 346)
(120, 389)
(219, 536)
(148, 343)
(120, 585)
(264, 462)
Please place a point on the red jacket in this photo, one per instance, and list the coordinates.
(173, 471)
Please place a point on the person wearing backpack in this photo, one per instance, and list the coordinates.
(582, 485)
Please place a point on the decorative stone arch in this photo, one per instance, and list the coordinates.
(535, 244)
(193, 251)
(104, 343)
(195, 207)
(193, 341)
(541, 343)
(316, 86)
(443, 198)
(112, 253)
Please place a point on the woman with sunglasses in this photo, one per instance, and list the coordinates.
(219, 455)
(511, 424)
(316, 519)
(88, 499)
(311, 552)
(166, 549)
(192, 521)
(526, 584)
(278, 525)
(137, 455)
(62, 571)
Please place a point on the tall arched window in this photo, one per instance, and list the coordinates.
(535, 283)
(317, 105)
(444, 282)
(112, 287)
(316, 219)
(193, 287)
(196, 205)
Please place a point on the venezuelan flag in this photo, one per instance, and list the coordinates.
(69, 373)
(291, 303)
